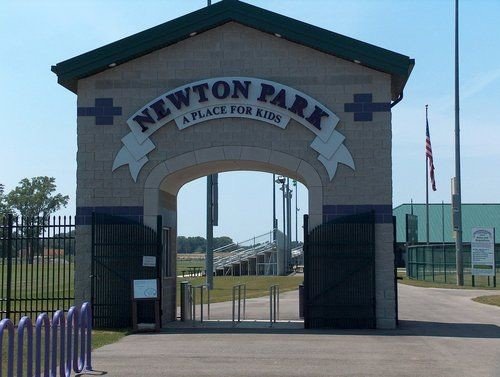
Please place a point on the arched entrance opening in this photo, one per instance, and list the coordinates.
(167, 178)
(245, 248)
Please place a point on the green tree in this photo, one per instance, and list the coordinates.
(222, 241)
(35, 197)
(182, 245)
(35, 200)
(199, 244)
(4, 207)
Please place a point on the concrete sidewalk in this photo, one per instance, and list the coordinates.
(442, 333)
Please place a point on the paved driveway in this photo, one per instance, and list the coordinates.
(442, 333)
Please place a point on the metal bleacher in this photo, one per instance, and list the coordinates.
(256, 256)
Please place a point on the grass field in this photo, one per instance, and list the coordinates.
(37, 287)
(451, 282)
(257, 286)
(490, 300)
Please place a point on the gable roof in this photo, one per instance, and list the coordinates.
(473, 215)
(129, 48)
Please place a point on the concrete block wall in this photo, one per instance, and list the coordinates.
(236, 50)
(385, 298)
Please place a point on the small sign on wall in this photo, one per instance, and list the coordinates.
(483, 251)
(148, 261)
(145, 288)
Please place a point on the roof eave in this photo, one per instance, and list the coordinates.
(161, 36)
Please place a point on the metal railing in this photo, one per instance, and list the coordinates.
(240, 253)
(202, 288)
(237, 295)
(274, 303)
(75, 335)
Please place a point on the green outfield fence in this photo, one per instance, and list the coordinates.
(437, 263)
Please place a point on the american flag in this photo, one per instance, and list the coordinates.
(428, 154)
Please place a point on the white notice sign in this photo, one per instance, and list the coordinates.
(148, 261)
(145, 288)
(483, 251)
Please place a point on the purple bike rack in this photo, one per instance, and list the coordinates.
(74, 334)
(42, 321)
(7, 323)
(24, 324)
(85, 324)
(58, 321)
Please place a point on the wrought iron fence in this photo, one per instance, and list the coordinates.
(437, 263)
(36, 265)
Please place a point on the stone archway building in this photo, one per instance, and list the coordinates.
(144, 129)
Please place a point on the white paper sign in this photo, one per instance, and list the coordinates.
(147, 288)
(148, 261)
(483, 251)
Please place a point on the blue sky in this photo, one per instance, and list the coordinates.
(38, 131)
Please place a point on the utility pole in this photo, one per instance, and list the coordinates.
(294, 182)
(457, 196)
(275, 221)
(282, 180)
(212, 219)
(289, 224)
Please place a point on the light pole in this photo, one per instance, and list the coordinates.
(275, 221)
(282, 180)
(211, 221)
(294, 182)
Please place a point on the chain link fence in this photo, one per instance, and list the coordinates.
(437, 263)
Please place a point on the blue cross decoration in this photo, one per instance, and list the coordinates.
(103, 111)
(364, 107)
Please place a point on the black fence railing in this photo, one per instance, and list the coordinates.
(437, 263)
(36, 265)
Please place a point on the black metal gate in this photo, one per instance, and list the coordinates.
(339, 273)
(36, 265)
(118, 248)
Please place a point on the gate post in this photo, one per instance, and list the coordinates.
(9, 264)
(186, 309)
(301, 300)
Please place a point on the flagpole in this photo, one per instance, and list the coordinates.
(458, 204)
(426, 185)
